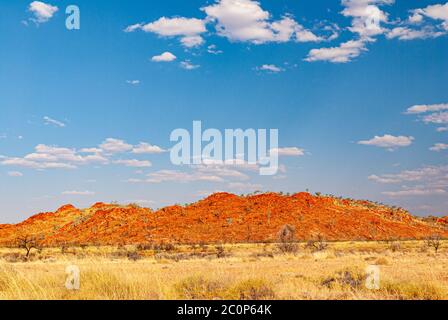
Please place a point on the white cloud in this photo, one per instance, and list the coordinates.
(436, 12)
(144, 148)
(134, 163)
(414, 192)
(442, 129)
(246, 21)
(292, 151)
(388, 141)
(213, 49)
(133, 82)
(141, 202)
(432, 176)
(54, 122)
(112, 145)
(366, 16)
(439, 147)
(270, 68)
(133, 27)
(51, 157)
(346, 52)
(423, 108)
(188, 29)
(164, 57)
(78, 193)
(437, 118)
(221, 171)
(187, 65)
(15, 174)
(240, 186)
(180, 177)
(192, 41)
(427, 180)
(42, 11)
(405, 33)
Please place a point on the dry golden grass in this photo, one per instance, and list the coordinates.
(247, 271)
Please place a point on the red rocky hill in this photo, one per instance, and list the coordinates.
(224, 217)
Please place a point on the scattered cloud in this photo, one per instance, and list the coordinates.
(15, 174)
(436, 12)
(187, 65)
(388, 141)
(112, 145)
(53, 157)
(270, 68)
(57, 123)
(180, 177)
(367, 16)
(414, 192)
(164, 57)
(442, 129)
(246, 21)
(146, 148)
(42, 11)
(428, 180)
(344, 53)
(213, 49)
(133, 82)
(405, 33)
(424, 108)
(134, 163)
(241, 186)
(188, 29)
(78, 193)
(141, 202)
(292, 151)
(437, 118)
(439, 147)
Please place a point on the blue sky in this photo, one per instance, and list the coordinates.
(361, 108)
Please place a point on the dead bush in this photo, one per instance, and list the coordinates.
(317, 244)
(286, 239)
(434, 242)
(199, 288)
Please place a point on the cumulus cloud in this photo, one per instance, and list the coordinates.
(423, 108)
(439, 147)
(428, 180)
(42, 11)
(366, 16)
(405, 33)
(432, 177)
(57, 123)
(388, 141)
(134, 163)
(291, 151)
(144, 147)
(437, 118)
(112, 145)
(246, 21)
(53, 157)
(188, 29)
(270, 68)
(164, 57)
(435, 12)
(344, 53)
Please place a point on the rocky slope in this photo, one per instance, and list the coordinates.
(224, 217)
